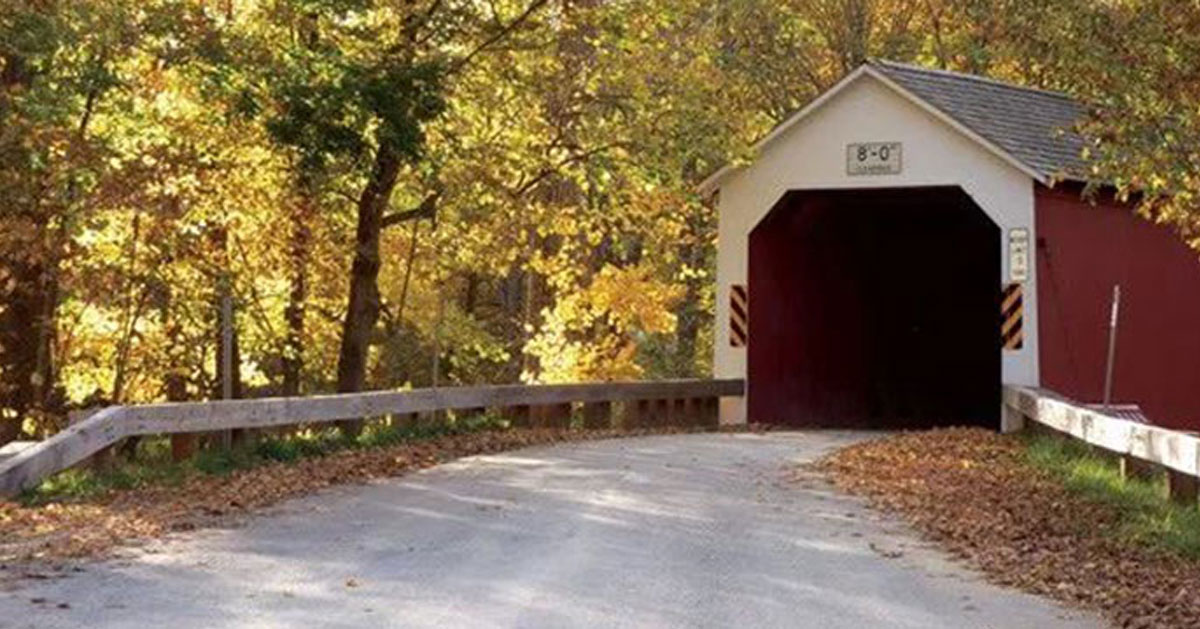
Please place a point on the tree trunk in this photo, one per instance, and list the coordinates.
(27, 330)
(362, 311)
(471, 294)
(44, 374)
(183, 445)
(225, 438)
(129, 316)
(301, 241)
(235, 362)
(238, 437)
(224, 290)
(18, 344)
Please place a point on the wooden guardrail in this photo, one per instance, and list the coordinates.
(1142, 448)
(678, 398)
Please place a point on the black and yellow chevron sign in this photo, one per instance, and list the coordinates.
(1012, 317)
(739, 315)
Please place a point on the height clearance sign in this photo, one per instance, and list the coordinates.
(1018, 254)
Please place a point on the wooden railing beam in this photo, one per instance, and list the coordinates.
(1142, 448)
(108, 426)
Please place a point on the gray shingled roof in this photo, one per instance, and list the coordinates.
(1034, 126)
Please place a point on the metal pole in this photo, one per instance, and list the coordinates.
(437, 338)
(226, 346)
(1112, 345)
(224, 438)
(439, 416)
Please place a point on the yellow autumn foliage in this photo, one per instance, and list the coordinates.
(592, 334)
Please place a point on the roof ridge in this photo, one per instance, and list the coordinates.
(970, 77)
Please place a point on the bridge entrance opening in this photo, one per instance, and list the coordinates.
(875, 309)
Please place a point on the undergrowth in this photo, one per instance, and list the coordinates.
(151, 462)
(1148, 516)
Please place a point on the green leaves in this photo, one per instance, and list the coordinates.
(335, 91)
(28, 33)
(402, 97)
(319, 122)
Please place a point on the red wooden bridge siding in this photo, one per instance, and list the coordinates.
(1083, 250)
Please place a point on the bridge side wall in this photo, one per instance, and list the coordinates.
(1084, 249)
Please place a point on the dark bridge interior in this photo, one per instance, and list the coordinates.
(875, 309)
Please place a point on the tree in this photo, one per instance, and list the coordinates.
(58, 65)
(503, 189)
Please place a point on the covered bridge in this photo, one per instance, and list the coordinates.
(913, 238)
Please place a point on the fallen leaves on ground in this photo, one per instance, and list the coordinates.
(972, 491)
(92, 528)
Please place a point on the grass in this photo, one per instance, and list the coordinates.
(1148, 516)
(152, 464)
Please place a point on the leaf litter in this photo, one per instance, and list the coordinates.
(974, 492)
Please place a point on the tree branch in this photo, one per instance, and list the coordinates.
(426, 18)
(533, 7)
(427, 209)
(525, 186)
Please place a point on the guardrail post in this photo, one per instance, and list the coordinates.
(243, 437)
(183, 446)
(635, 414)
(685, 412)
(1133, 467)
(405, 421)
(465, 414)
(679, 415)
(597, 415)
(646, 413)
(662, 413)
(428, 420)
(103, 460)
(711, 412)
(519, 415)
(1183, 488)
(1011, 419)
(551, 415)
(538, 416)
